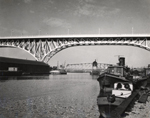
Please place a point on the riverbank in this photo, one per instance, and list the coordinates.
(140, 110)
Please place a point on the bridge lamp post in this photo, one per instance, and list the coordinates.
(68, 32)
(21, 33)
(99, 30)
(39, 32)
(132, 30)
(11, 32)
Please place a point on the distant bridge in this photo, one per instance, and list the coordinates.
(43, 48)
(86, 66)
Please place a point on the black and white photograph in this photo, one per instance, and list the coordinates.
(74, 58)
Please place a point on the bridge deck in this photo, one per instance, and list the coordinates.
(76, 36)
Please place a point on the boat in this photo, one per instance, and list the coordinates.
(116, 85)
(59, 71)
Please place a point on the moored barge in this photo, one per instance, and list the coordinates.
(19, 67)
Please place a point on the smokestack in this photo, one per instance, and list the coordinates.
(121, 61)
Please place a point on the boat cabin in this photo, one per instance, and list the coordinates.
(118, 70)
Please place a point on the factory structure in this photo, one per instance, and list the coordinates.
(17, 67)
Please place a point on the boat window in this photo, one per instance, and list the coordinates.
(123, 86)
(119, 71)
(111, 70)
(115, 70)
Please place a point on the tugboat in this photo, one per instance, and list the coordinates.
(116, 84)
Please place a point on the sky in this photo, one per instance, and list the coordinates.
(63, 17)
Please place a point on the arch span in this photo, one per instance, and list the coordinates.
(43, 48)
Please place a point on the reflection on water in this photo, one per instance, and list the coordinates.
(5, 78)
(72, 95)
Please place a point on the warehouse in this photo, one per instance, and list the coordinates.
(12, 66)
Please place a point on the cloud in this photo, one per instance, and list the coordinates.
(90, 9)
(27, 1)
(56, 22)
(86, 9)
(88, 1)
(16, 32)
(3, 28)
(31, 11)
(51, 1)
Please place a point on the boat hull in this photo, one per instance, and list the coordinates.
(105, 107)
(103, 101)
(105, 110)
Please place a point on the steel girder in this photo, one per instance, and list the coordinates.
(101, 66)
(44, 48)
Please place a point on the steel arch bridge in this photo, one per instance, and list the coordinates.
(43, 48)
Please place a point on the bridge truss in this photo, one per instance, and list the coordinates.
(43, 48)
(87, 66)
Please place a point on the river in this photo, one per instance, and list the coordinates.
(55, 96)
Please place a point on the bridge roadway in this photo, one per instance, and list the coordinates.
(43, 48)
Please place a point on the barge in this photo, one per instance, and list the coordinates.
(10, 73)
(116, 85)
(18, 67)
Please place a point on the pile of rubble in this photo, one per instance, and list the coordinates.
(140, 110)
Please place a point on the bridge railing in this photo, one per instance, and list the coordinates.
(76, 35)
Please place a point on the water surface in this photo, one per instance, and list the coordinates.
(54, 96)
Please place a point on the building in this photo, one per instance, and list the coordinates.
(26, 67)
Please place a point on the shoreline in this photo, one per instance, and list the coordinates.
(140, 110)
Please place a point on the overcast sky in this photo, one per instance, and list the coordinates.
(57, 17)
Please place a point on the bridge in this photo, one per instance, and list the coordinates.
(86, 66)
(43, 48)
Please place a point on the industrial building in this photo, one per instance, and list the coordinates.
(12, 66)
